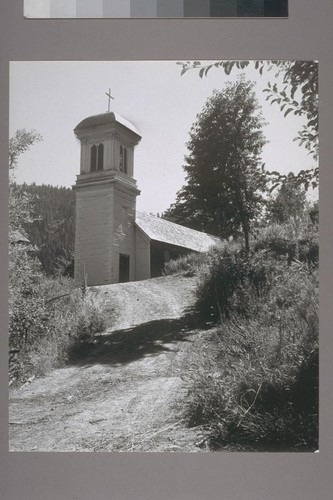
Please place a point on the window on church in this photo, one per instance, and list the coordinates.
(96, 157)
(93, 158)
(123, 160)
(100, 157)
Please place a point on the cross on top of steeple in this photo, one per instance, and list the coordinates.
(109, 99)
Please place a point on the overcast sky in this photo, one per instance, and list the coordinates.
(53, 97)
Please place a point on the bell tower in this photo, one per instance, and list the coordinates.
(105, 200)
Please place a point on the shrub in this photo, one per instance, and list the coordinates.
(48, 316)
(232, 282)
(91, 321)
(296, 243)
(259, 389)
(187, 265)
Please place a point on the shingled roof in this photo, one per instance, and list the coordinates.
(167, 232)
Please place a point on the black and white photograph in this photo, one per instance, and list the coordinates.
(163, 256)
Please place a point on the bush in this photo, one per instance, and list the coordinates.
(232, 282)
(187, 265)
(48, 316)
(257, 389)
(91, 321)
(295, 243)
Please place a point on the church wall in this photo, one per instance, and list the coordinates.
(123, 238)
(93, 234)
(142, 256)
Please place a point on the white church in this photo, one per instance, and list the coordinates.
(113, 242)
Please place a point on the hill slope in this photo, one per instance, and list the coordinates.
(125, 392)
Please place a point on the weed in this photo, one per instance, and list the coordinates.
(259, 390)
(187, 265)
(45, 325)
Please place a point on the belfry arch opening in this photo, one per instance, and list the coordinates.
(96, 157)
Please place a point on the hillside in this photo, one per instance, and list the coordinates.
(125, 392)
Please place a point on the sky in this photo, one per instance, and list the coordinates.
(52, 97)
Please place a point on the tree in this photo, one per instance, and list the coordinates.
(299, 96)
(289, 202)
(21, 142)
(20, 203)
(24, 271)
(223, 167)
(53, 230)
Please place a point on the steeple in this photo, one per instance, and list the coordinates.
(106, 199)
(107, 143)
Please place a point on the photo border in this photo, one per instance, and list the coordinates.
(307, 34)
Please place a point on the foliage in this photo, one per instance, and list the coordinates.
(293, 240)
(256, 388)
(230, 281)
(224, 175)
(47, 316)
(52, 231)
(298, 96)
(19, 210)
(21, 142)
(288, 202)
(187, 265)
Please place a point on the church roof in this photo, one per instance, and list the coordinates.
(168, 232)
(105, 119)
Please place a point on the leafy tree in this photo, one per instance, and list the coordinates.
(299, 96)
(21, 142)
(223, 167)
(42, 214)
(52, 231)
(20, 209)
(289, 202)
(24, 271)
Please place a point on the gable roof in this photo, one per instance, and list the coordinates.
(168, 232)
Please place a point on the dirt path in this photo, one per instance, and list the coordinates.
(125, 393)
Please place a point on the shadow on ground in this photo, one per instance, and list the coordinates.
(131, 344)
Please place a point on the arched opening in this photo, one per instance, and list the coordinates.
(125, 161)
(93, 157)
(123, 166)
(121, 158)
(96, 157)
(100, 157)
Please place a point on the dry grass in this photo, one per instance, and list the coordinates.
(188, 265)
(64, 318)
(256, 388)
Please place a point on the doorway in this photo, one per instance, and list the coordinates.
(124, 268)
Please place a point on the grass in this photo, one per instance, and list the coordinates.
(61, 320)
(256, 386)
(188, 265)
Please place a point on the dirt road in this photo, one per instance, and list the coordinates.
(126, 392)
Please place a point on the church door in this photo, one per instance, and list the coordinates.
(124, 268)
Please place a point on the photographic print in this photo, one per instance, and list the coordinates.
(163, 267)
(154, 8)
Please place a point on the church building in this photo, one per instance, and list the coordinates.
(113, 242)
